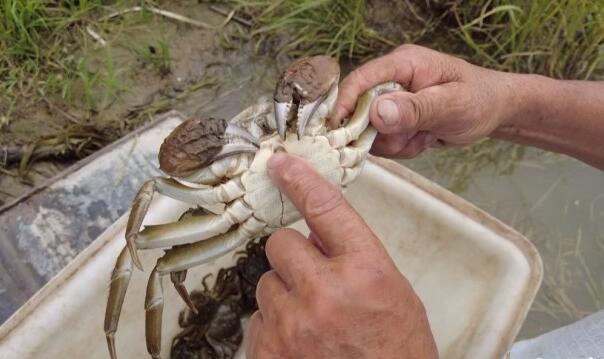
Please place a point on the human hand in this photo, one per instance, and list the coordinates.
(450, 101)
(344, 300)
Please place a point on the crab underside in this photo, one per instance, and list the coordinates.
(220, 166)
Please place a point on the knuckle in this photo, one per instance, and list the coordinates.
(273, 242)
(419, 112)
(287, 326)
(255, 320)
(359, 77)
(450, 71)
(366, 276)
(371, 278)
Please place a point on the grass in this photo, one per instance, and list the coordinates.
(561, 38)
(334, 27)
(48, 60)
(38, 37)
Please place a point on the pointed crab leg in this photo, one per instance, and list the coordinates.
(180, 259)
(117, 292)
(205, 197)
(195, 228)
(176, 262)
(154, 307)
(352, 157)
(178, 279)
(359, 120)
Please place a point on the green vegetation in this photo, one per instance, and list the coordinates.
(39, 39)
(334, 27)
(74, 65)
(560, 38)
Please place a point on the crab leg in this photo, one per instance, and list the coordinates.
(182, 258)
(360, 118)
(353, 155)
(193, 229)
(176, 262)
(228, 167)
(205, 197)
(120, 279)
(154, 307)
(178, 279)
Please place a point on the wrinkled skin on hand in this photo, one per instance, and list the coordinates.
(448, 102)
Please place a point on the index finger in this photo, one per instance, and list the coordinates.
(327, 213)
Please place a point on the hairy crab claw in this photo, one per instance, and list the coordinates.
(193, 145)
(198, 142)
(301, 89)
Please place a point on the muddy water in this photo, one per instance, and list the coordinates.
(556, 201)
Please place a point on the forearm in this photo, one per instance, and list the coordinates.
(560, 116)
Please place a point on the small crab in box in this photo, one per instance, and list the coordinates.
(220, 166)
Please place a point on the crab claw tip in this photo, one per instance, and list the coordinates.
(134, 254)
(305, 112)
(111, 346)
(281, 116)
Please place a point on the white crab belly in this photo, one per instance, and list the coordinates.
(268, 204)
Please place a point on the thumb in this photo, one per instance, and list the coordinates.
(405, 112)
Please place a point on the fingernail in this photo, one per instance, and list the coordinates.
(276, 160)
(429, 140)
(388, 112)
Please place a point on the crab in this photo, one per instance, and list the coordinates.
(220, 166)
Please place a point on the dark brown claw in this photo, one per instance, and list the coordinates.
(301, 88)
(196, 143)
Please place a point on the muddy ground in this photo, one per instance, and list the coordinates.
(201, 69)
